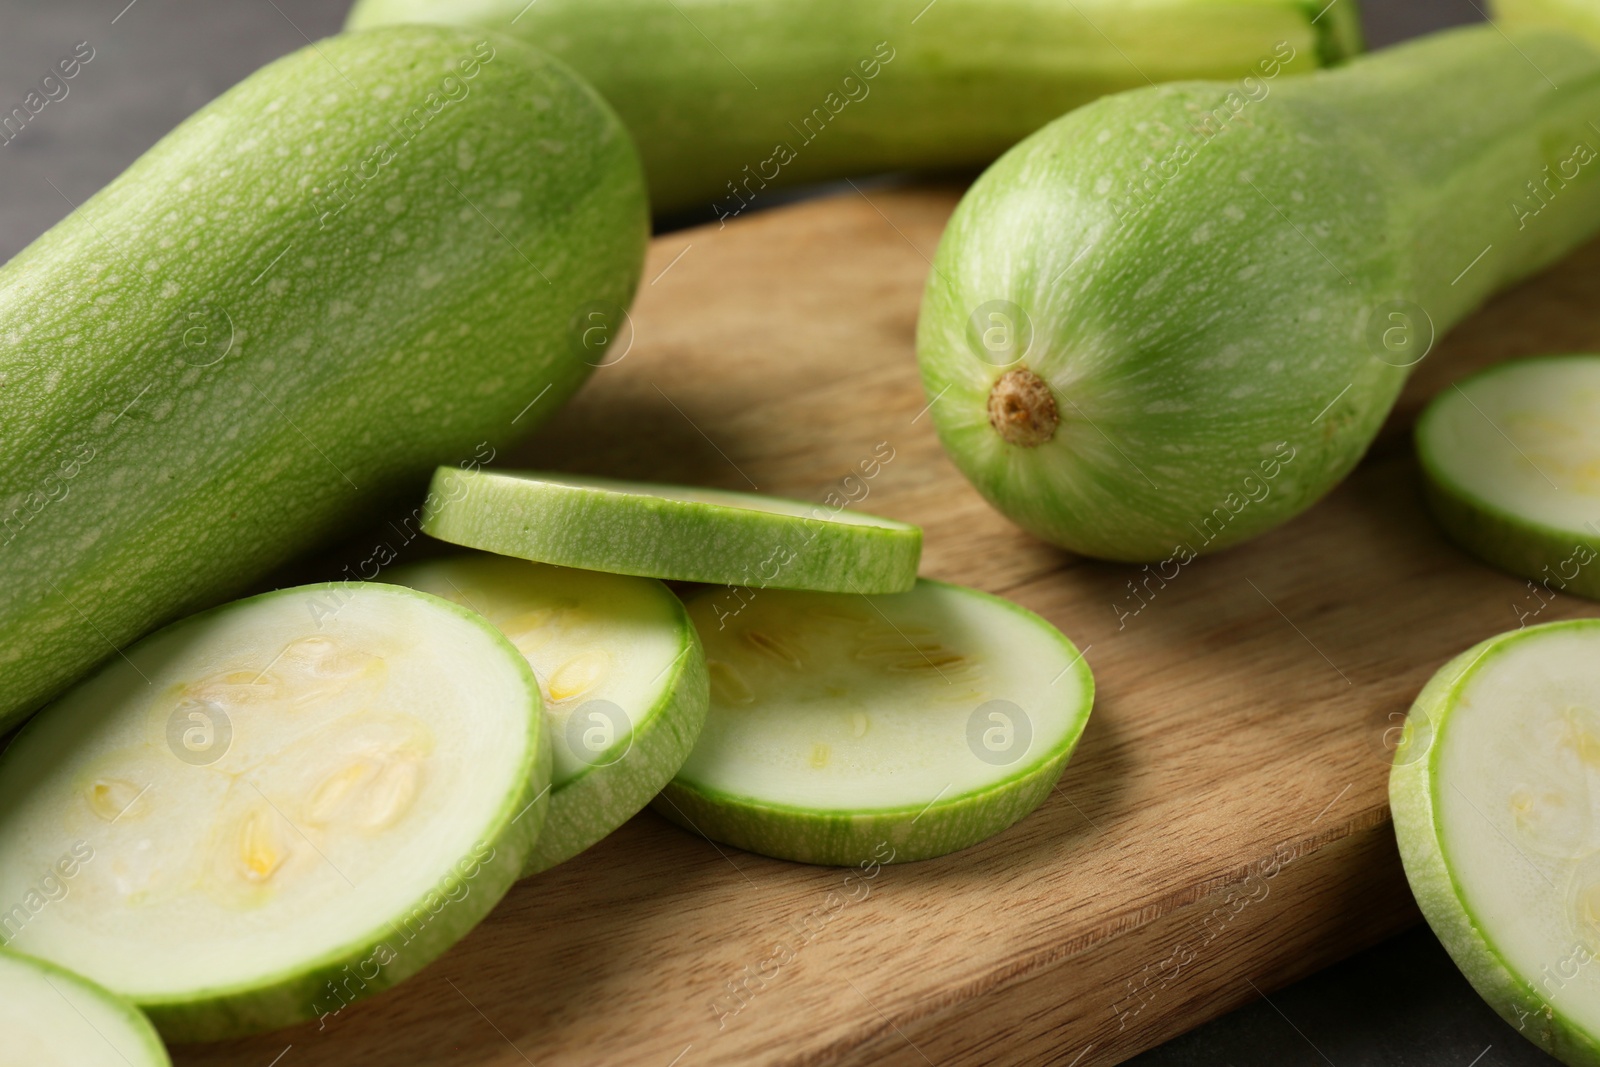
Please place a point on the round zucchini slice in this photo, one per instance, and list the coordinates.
(1512, 462)
(54, 1018)
(674, 532)
(849, 729)
(621, 671)
(1494, 791)
(276, 807)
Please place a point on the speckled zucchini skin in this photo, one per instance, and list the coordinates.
(360, 263)
(1225, 286)
(729, 98)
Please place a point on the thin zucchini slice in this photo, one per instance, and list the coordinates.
(847, 729)
(675, 532)
(1494, 792)
(621, 671)
(1512, 462)
(54, 1018)
(278, 806)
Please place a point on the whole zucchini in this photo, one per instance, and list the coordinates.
(728, 98)
(360, 263)
(1177, 317)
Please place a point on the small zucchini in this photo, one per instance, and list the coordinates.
(1175, 318)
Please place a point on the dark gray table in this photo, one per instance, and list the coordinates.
(1400, 1005)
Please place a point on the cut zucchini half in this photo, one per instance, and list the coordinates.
(847, 729)
(276, 807)
(54, 1018)
(675, 532)
(1495, 791)
(621, 671)
(1511, 459)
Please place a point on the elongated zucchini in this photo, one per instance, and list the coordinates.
(360, 263)
(730, 97)
(1177, 317)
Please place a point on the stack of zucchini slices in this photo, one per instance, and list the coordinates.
(267, 811)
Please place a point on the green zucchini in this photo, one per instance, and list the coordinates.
(275, 808)
(730, 98)
(1578, 16)
(363, 261)
(1511, 459)
(621, 672)
(1492, 791)
(847, 729)
(1176, 318)
(54, 1018)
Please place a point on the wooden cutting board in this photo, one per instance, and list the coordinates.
(1223, 829)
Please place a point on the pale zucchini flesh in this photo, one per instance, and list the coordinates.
(1511, 459)
(845, 729)
(277, 807)
(1496, 799)
(622, 674)
(50, 1017)
(673, 532)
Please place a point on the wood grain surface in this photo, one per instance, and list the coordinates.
(1222, 830)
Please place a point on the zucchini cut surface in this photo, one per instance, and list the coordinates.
(1496, 799)
(621, 672)
(277, 806)
(53, 1018)
(1512, 462)
(846, 728)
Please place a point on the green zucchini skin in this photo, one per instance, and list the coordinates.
(582, 812)
(718, 92)
(1214, 317)
(356, 265)
(843, 840)
(1517, 546)
(1411, 800)
(1579, 16)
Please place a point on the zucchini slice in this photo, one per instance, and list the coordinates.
(54, 1018)
(1494, 791)
(1512, 462)
(278, 806)
(848, 729)
(621, 671)
(675, 532)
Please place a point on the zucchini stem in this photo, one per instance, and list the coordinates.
(1022, 409)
